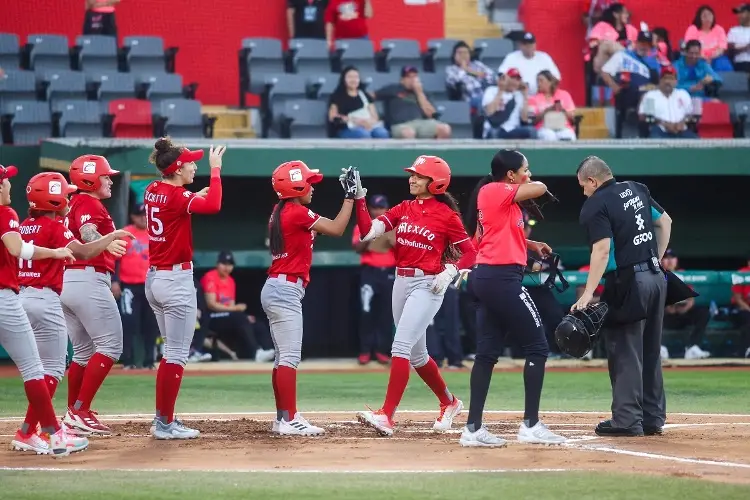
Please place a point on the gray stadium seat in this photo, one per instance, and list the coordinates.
(734, 82)
(31, 122)
(17, 86)
(98, 53)
(309, 118)
(9, 51)
(49, 52)
(285, 87)
(163, 86)
(458, 115)
(401, 53)
(145, 54)
(357, 53)
(441, 50)
(264, 55)
(376, 81)
(327, 84)
(79, 118)
(433, 85)
(184, 117)
(65, 85)
(112, 85)
(492, 51)
(311, 56)
(742, 108)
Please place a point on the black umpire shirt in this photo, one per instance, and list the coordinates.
(625, 213)
(308, 18)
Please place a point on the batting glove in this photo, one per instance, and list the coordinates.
(361, 192)
(444, 279)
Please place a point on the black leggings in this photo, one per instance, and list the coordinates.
(505, 306)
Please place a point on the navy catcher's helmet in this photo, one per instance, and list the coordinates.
(577, 332)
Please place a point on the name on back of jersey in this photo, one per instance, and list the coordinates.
(29, 229)
(161, 199)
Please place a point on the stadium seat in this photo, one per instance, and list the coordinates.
(433, 85)
(145, 54)
(65, 85)
(399, 53)
(741, 113)
(357, 53)
(304, 119)
(31, 121)
(439, 54)
(183, 118)
(111, 85)
(9, 52)
(310, 56)
(258, 57)
(492, 51)
(324, 85)
(734, 83)
(17, 86)
(77, 118)
(284, 87)
(132, 118)
(715, 121)
(48, 52)
(376, 81)
(162, 87)
(458, 115)
(96, 53)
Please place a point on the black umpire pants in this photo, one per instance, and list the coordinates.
(376, 316)
(137, 320)
(235, 330)
(444, 335)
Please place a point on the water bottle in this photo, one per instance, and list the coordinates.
(713, 309)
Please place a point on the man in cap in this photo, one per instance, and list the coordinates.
(739, 38)
(529, 62)
(629, 72)
(669, 106)
(505, 105)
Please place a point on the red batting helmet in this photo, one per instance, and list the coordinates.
(436, 169)
(48, 192)
(86, 170)
(293, 179)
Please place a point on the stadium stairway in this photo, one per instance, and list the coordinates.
(464, 22)
(230, 123)
(594, 124)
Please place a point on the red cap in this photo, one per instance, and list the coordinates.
(185, 157)
(668, 70)
(7, 172)
(513, 73)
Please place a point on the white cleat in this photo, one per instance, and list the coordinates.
(264, 355)
(481, 438)
(174, 430)
(31, 442)
(447, 414)
(539, 434)
(664, 353)
(377, 420)
(62, 445)
(695, 352)
(299, 427)
(275, 426)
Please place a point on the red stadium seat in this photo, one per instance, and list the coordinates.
(715, 121)
(132, 118)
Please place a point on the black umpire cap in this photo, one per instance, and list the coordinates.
(225, 257)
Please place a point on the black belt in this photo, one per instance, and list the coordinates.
(641, 267)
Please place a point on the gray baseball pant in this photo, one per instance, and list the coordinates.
(17, 337)
(282, 303)
(414, 307)
(46, 317)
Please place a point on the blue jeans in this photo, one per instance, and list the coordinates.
(658, 133)
(722, 63)
(362, 133)
(523, 132)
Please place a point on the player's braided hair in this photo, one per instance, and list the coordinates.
(165, 153)
(275, 234)
(451, 253)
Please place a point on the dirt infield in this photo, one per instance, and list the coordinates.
(713, 447)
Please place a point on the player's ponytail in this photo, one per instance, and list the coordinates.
(276, 235)
(470, 221)
(450, 254)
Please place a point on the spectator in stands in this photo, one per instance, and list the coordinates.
(100, 18)
(2, 73)
(304, 18)
(686, 314)
(553, 110)
(467, 76)
(347, 19)
(628, 71)
(669, 106)
(202, 337)
(712, 37)
(739, 38)
(351, 110)
(506, 108)
(593, 10)
(227, 318)
(662, 46)
(409, 111)
(741, 301)
(529, 62)
(693, 72)
(612, 33)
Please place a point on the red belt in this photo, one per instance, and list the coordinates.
(97, 269)
(408, 272)
(184, 266)
(290, 278)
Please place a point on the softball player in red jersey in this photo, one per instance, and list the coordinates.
(292, 231)
(42, 281)
(91, 312)
(429, 235)
(16, 335)
(170, 289)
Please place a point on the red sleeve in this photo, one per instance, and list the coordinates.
(330, 13)
(301, 217)
(456, 232)
(355, 235)
(233, 295)
(8, 222)
(507, 193)
(64, 236)
(468, 254)
(208, 284)
(211, 204)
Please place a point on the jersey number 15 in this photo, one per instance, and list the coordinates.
(155, 224)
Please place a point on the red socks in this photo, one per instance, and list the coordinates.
(159, 388)
(397, 382)
(97, 370)
(430, 373)
(286, 382)
(29, 423)
(75, 379)
(170, 388)
(39, 398)
(275, 390)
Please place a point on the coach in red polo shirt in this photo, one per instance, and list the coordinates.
(741, 300)
(347, 19)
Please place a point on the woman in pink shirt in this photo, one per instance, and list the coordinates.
(712, 37)
(100, 18)
(553, 109)
(611, 34)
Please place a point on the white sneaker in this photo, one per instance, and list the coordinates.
(747, 353)
(539, 434)
(481, 438)
(58, 444)
(30, 442)
(695, 352)
(588, 356)
(275, 426)
(174, 430)
(447, 414)
(299, 427)
(264, 355)
(74, 442)
(377, 420)
(664, 354)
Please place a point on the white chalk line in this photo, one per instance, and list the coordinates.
(288, 471)
(657, 456)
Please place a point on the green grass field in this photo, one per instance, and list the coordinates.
(700, 391)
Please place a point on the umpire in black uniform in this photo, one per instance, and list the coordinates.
(628, 233)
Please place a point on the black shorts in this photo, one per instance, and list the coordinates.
(505, 308)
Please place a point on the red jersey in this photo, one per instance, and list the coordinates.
(8, 263)
(297, 227)
(225, 289)
(134, 264)
(500, 225)
(424, 228)
(49, 233)
(742, 290)
(375, 259)
(170, 231)
(85, 209)
(347, 17)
